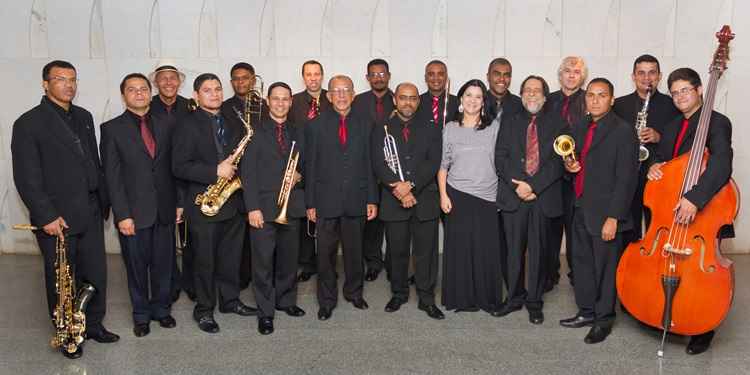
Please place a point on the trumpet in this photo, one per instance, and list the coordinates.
(391, 153)
(565, 146)
(640, 124)
(287, 183)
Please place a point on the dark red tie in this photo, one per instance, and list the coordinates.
(379, 109)
(314, 109)
(280, 138)
(565, 112)
(532, 148)
(581, 174)
(148, 138)
(435, 109)
(342, 131)
(405, 132)
(680, 138)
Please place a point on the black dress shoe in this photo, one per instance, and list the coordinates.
(75, 355)
(432, 311)
(265, 326)
(394, 304)
(293, 310)
(359, 303)
(505, 309)
(536, 316)
(700, 343)
(597, 334)
(577, 321)
(167, 322)
(305, 276)
(141, 329)
(103, 336)
(325, 313)
(240, 308)
(372, 274)
(208, 324)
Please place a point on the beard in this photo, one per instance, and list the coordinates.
(533, 107)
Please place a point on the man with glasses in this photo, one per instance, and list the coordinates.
(57, 173)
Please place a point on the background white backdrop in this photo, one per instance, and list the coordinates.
(106, 39)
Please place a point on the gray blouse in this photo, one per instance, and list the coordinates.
(469, 158)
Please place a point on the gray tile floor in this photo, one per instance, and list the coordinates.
(354, 341)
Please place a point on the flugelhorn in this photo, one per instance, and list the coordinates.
(565, 146)
(287, 183)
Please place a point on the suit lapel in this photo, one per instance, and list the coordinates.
(63, 132)
(134, 134)
(603, 128)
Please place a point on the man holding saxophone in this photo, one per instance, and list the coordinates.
(275, 203)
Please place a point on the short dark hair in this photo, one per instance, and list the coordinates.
(311, 62)
(279, 84)
(545, 86)
(604, 81)
(438, 62)
(647, 59)
(133, 75)
(684, 74)
(242, 65)
(55, 64)
(203, 78)
(485, 119)
(374, 62)
(500, 61)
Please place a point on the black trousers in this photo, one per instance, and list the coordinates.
(217, 251)
(184, 278)
(595, 270)
(88, 263)
(555, 235)
(526, 232)
(275, 252)
(149, 258)
(307, 251)
(372, 247)
(636, 210)
(423, 235)
(347, 229)
(246, 263)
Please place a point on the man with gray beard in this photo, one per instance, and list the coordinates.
(529, 195)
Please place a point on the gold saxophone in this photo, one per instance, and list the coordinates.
(217, 194)
(287, 184)
(69, 316)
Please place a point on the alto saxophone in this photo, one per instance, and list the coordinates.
(640, 124)
(217, 194)
(287, 184)
(69, 316)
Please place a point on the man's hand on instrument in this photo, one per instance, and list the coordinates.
(226, 169)
(400, 189)
(609, 229)
(649, 135)
(686, 211)
(311, 215)
(255, 218)
(56, 227)
(126, 227)
(572, 166)
(408, 201)
(297, 177)
(372, 211)
(523, 189)
(654, 172)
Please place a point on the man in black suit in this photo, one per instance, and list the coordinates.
(171, 106)
(57, 173)
(375, 106)
(201, 153)
(529, 195)
(136, 151)
(661, 111)
(306, 106)
(275, 243)
(605, 180)
(409, 203)
(432, 102)
(340, 194)
(677, 139)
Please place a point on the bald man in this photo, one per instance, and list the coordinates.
(409, 198)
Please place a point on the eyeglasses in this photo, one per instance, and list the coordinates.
(377, 75)
(63, 80)
(682, 91)
(341, 91)
(404, 98)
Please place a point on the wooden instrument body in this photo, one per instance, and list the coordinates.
(705, 292)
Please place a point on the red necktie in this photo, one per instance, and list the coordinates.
(405, 132)
(313, 111)
(280, 138)
(680, 138)
(379, 109)
(565, 112)
(581, 174)
(435, 100)
(342, 131)
(148, 138)
(532, 148)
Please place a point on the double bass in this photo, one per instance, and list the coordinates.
(676, 278)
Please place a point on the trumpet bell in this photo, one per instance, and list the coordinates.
(564, 145)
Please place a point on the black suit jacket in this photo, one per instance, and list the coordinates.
(50, 170)
(301, 105)
(339, 179)
(180, 109)
(365, 106)
(611, 172)
(263, 170)
(425, 108)
(576, 105)
(233, 104)
(719, 143)
(510, 162)
(420, 161)
(140, 188)
(194, 159)
(511, 105)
